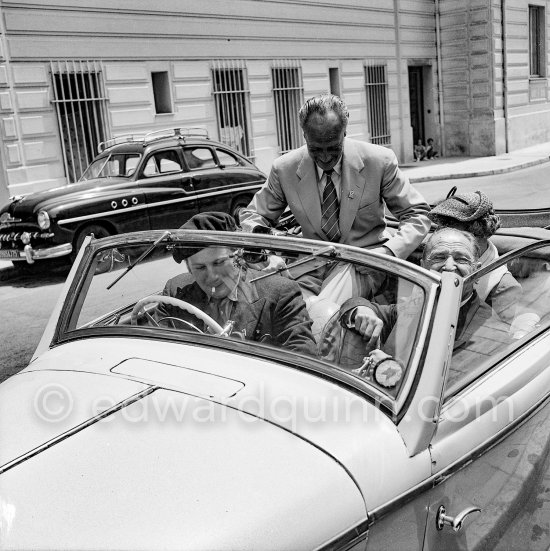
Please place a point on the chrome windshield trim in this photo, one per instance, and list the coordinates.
(298, 246)
(501, 260)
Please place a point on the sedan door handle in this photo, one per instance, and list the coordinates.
(454, 522)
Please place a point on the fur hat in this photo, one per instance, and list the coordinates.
(213, 221)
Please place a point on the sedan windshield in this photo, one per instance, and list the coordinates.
(218, 291)
(114, 165)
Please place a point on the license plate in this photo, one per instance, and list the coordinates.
(8, 253)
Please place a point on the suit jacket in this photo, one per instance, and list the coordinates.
(277, 314)
(371, 180)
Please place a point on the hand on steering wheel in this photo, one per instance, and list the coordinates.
(212, 324)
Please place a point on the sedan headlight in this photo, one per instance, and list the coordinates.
(43, 220)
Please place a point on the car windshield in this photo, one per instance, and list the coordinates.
(217, 293)
(115, 165)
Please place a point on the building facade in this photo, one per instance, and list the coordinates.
(471, 74)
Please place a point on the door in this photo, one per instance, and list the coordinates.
(416, 100)
(168, 189)
(491, 451)
(221, 181)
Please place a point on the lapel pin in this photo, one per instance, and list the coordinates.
(351, 194)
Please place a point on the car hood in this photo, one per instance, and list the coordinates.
(25, 206)
(113, 450)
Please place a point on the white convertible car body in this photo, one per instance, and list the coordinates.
(124, 435)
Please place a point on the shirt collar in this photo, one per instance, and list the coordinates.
(337, 168)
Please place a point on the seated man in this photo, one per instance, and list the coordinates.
(478, 334)
(269, 310)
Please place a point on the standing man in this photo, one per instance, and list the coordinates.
(337, 188)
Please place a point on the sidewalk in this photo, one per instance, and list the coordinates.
(464, 167)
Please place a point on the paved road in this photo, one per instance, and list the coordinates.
(521, 189)
(27, 300)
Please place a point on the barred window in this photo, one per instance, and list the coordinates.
(377, 104)
(231, 96)
(80, 103)
(288, 95)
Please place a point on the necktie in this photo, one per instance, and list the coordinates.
(329, 210)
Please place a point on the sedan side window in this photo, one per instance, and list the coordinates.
(163, 162)
(199, 157)
(226, 159)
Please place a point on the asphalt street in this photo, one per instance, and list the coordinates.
(28, 299)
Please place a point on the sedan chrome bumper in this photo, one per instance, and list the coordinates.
(30, 255)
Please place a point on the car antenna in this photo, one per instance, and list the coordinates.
(161, 238)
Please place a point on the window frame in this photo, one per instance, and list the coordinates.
(231, 95)
(162, 93)
(287, 90)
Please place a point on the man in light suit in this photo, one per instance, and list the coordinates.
(366, 178)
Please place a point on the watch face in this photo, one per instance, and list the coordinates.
(388, 373)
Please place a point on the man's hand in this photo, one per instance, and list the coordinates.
(367, 324)
(276, 263)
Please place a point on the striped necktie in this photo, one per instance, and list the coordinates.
(329, 210)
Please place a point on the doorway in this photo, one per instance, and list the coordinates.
(416, 100)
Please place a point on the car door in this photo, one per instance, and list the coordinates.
(222, 181)
(168, 189)
(491, 451)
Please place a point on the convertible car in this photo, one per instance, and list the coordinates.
(132, 429)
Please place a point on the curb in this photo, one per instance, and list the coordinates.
(476, 173)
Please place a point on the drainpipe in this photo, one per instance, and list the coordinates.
(505, 77)
(399, 80)
(439, 79)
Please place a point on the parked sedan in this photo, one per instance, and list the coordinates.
(132, 428)
(154, 181)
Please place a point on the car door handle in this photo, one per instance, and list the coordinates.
(455, 523)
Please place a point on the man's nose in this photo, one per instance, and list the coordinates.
(450, 264)
(211, 273)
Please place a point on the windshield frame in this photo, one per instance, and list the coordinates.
(429, 282)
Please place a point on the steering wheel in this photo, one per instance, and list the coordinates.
(212, 324)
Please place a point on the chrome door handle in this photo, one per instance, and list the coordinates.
(454, 522)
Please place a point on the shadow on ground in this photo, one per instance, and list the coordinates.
(33, 275)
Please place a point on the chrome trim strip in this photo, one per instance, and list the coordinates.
(77, 428)
(349, 538)
(442, 476)
(52, 252)
(223, 191)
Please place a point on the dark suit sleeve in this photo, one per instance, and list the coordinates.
(266, 206)
(290, 320)
(386, 312)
